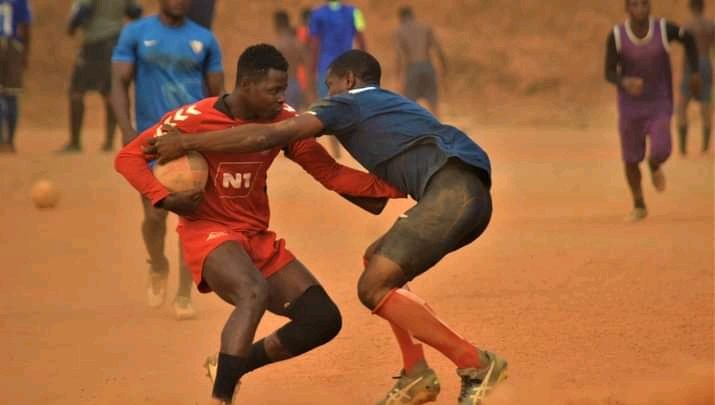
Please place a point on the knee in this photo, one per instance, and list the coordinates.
(371, 291)
(316, 320)
(253, 292)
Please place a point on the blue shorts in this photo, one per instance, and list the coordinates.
(706, 72)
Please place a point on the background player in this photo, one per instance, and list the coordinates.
(290, 46)
(334, 27)
(438, 165)
(172, 61)
(414, 44)
(202, 12)
(15, 20)
(226, 239)
(303, 33)
(101, 21)
(638, 63)
(703, 30)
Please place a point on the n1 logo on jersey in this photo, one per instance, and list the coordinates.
(236, 179)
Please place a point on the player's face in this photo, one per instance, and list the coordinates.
(638, 10)
(266, 96)
(339, 83)
(175, 8)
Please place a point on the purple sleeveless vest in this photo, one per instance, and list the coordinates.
(649, 59)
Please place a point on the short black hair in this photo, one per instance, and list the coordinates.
(362, 64)
(405, 13)
(281, 19)
(256, 60)
(697, 5)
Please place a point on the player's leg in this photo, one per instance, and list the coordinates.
(431, 89)
(11, 115)
(4, 146)
(681, 112)
(455, 209)
(632, 136)
(78, 84)
(231, 274)
(660, 148)
(105, 86)
(153, 233)
(183, 307)
(706, 108)
(314, 318)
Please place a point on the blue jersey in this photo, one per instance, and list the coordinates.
(335, 25)
(12, 14)
(395, 138)
(170, 65)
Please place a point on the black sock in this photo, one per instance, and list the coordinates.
(229, 372)
(706, 138)
(12, 113)
(76, 118)
(257, 357)
(682, 138)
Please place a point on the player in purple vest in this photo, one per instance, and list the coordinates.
(638, 63)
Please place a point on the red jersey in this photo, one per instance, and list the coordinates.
(236, 192)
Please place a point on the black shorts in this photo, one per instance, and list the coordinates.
(421, 82)
(11, 68)
(93, 68)
(454, 210)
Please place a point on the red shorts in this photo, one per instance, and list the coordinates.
(200, 238)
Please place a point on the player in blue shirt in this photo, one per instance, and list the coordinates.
(438, 165)
(14, 52)
(334, 27)
(172, 62)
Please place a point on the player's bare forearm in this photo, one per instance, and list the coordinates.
(372, 205)
(122, 76)
(242, 139)
(215, 83)
(360, 41)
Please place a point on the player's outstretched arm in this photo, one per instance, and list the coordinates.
(122, 77)
(242, 139)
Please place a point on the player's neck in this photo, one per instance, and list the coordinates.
(640, 28)
(239, 110)
(171, 21)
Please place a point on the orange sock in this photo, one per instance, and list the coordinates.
(412, 353)
(410, 313)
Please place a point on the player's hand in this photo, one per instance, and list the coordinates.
(632, 85)
(183, 204)
(696, 85)
(167, 147)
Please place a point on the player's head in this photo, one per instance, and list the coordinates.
(305, 15)
(175, 8)
(697, 6)
(405, 13)
(261, 80)
(281, 21)
(353, 69)
(638, 10)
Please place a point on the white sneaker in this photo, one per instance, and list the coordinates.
(156, 289)
(184, 308)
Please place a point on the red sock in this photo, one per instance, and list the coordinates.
(412, 353)
(410, 313)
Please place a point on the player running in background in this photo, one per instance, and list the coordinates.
(303, 33)
(438, 165)
(226, 239)
(414, 44)
(101, 21)
(289, 45)
(703, 29)
(171, 61)
(202, 12)
(15, 21)
(334, 28)
(638, 64)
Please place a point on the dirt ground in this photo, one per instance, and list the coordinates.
(588, 309)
